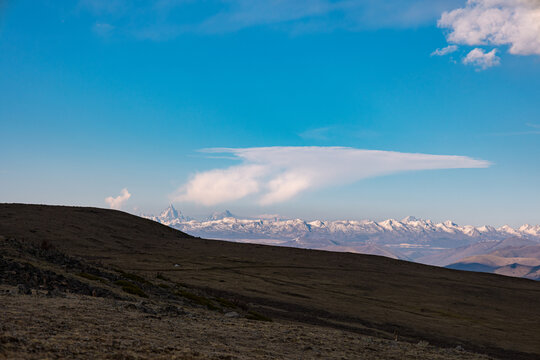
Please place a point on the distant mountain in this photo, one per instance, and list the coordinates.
(409, 239)
(518, 259)
(221, 215)
(450, 256)
(170, 216)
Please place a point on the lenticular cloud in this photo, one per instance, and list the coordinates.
(276, 174)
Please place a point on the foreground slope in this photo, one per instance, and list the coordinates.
(82, 327)
(361, 294)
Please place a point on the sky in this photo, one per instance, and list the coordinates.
(314, 109)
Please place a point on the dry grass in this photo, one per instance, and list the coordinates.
(82, 327)
(361, 294)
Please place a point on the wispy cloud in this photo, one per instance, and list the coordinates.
(335, 132)
(159, 20)
(118, 202)
(534, 131)
(276, 174)
(103, 29)
(445, 50)
(317, 133)
(516, 133)
(512, 23)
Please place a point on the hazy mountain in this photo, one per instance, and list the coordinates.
(450, 256)
(522, 259)
(221, 215)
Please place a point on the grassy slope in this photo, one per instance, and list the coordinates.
(367, 294)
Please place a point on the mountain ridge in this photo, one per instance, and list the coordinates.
(409, 223)
(408, 239)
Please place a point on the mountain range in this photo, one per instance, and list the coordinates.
(411, 239)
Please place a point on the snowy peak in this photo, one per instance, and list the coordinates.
(392, 225)
(269, 217)
(171, 216)
(221, 215)
(508, 229)
(530, 229)
(169, 213)
(411, 219)
(450, 224)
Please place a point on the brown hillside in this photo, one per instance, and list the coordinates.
(365, 294)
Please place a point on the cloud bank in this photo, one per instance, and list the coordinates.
(117, 202)
(512, 23)
(276, 174)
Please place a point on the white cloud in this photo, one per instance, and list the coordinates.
(117, 202)
(285, 186)
(482, 60)
(276, 174)
(222, 185)
(445, 50)
(515, 23)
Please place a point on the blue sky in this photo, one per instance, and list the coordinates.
(98, 96)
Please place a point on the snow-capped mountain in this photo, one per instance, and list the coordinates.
(220, 215)
(170, 216)
(409, 238)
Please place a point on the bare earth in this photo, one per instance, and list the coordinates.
(36, 327)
